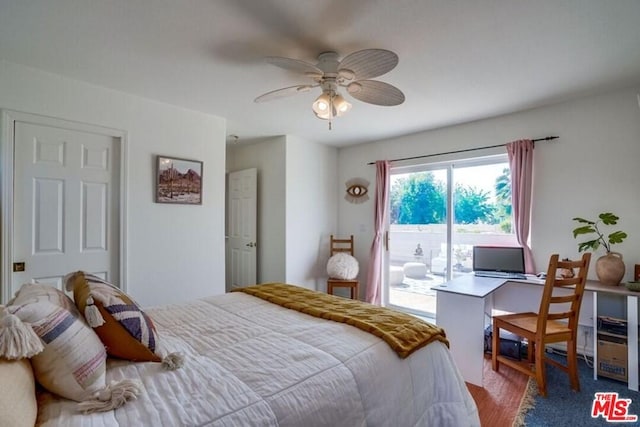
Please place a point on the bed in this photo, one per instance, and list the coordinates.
(250, 362)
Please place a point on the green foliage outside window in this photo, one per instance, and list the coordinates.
(419, 198)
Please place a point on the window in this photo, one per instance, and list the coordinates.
(438, 212)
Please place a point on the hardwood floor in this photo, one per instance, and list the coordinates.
(499, 400)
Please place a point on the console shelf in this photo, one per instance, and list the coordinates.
(616, 303)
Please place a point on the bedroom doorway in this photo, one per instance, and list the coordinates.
(61, 201)
(242, 243)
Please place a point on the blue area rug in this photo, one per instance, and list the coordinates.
(565, 407)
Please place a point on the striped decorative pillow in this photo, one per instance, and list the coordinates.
(124, 328)
(42, 292)
(73, 361)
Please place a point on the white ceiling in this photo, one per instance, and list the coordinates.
(459, 60)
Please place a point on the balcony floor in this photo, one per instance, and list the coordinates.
(416, 294)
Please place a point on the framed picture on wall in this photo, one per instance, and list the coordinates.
(178, 181)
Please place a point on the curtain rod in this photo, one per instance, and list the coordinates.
(548, 138)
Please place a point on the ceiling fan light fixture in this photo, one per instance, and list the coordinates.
(322, 106)
(341, 105)
(353, 72)
(330, 105)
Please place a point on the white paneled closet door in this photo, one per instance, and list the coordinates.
(66, 213)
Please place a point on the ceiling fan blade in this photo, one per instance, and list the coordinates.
(295, 65)
(369, 63)
(283, 93)
(375, 92)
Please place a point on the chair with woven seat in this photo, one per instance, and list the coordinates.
(556, 321)
(337, 246)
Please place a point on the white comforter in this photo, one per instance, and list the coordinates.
(253, 363)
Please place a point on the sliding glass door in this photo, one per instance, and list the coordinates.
(417, 233)
(438, 212)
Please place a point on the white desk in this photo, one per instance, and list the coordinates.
(461, 305)
(460, 309)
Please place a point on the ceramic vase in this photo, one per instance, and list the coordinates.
(610, 268)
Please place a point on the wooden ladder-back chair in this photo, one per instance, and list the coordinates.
(556, 321)
(342, 245)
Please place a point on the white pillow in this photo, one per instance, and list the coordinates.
(18, 404)
(73, 361)
(342, 266)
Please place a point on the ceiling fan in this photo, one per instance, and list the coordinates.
(353, 73)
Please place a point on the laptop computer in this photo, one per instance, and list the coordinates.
(499, 261)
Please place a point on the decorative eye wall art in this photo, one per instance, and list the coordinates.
(357, 189)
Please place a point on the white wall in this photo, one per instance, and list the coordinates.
(592, 168)
(269, 158)
(174, 252)
(311, 212)
(297, 207)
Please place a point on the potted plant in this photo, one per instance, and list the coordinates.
(609, 267)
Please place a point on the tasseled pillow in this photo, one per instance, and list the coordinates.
(67, 356)
(125, 329)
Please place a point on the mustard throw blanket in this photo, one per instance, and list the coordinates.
(404, 333)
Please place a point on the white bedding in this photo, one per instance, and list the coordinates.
(253, 363)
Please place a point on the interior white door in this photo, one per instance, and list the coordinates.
(243, 196)
(66, 204)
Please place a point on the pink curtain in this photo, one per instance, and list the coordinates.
(521, 163)
(374, 275)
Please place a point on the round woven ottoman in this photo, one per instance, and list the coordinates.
(396, 275)
(415, 270)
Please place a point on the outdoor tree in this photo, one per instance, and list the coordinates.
(472, 206)
(503, 198)
(395, 200)
(418, 199)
